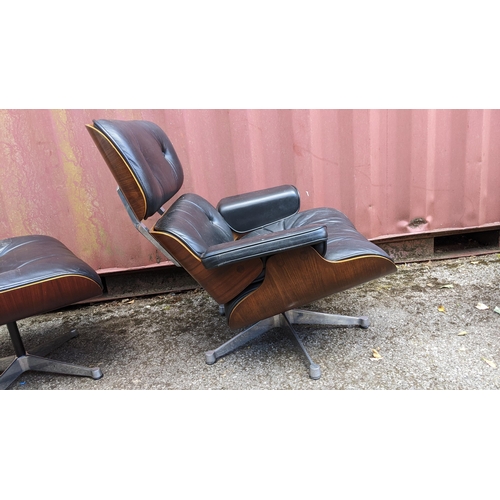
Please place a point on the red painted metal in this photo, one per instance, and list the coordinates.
(392, 172)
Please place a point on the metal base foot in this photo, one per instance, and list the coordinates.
(210, 358)
(289, 318)
(14, 366)
(36, 363)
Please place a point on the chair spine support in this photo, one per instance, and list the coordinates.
(142, 227)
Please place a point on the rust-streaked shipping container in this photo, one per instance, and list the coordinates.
(392, 172)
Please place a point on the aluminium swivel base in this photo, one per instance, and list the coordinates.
(14, 366)
(294, 316)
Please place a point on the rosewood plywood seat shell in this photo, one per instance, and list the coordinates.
(299, 277)
(255, 253)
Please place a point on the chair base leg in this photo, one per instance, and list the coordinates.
(289, 318)
(241, 339)
(14, 366)
(314, 369)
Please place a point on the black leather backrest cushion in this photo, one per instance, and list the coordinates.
(196, 223)
(151, 157)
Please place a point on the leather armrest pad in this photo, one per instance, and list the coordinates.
(261, 246)
(249, 211)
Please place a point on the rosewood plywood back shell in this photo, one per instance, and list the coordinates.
(122, 173)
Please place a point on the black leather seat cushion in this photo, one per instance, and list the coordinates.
(28, 259)
(29, 262)
(344, 241)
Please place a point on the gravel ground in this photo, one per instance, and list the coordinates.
(425, 326)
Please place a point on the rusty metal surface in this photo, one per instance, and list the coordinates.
(392, 172)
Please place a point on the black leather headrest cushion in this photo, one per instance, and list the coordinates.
(150, 156)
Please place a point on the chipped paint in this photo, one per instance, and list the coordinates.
(15, 213)
(79, 193)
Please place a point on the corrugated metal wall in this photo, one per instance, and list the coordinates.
(390, 171)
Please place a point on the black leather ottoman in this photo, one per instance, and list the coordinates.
(39, 274)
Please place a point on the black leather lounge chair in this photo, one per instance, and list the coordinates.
(255, 254)
(39, 274)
